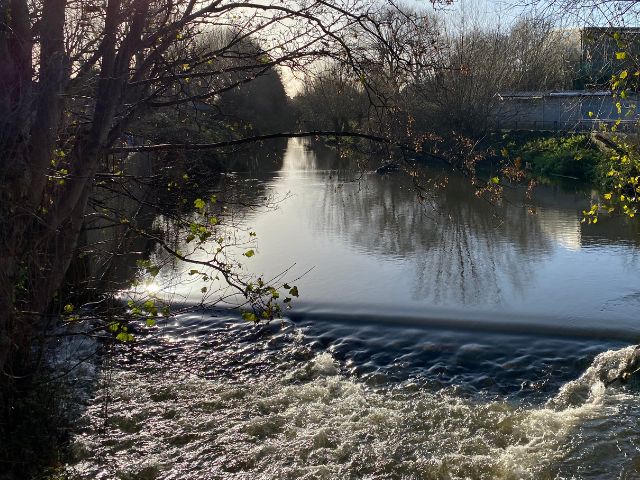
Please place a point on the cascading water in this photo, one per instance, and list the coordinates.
(285, 401)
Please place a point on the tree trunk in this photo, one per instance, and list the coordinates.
(27, 144)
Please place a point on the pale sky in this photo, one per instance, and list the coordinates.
(503, 13)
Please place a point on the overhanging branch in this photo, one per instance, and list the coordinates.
(166, 147)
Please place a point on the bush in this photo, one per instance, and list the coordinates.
(571, 156)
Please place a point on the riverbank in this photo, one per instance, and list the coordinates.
(41, 409)
(573, 156)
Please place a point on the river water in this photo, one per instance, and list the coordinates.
(444, 337)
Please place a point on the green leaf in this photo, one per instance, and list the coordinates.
(249, 317)
(249, 253)
(495, 180)
(124, 337)
(294, 291)
(149, 305)
(199, 203)
(621, 55)
(151, 322)
(68, 308)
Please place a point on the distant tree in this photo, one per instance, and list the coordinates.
(426, 74)
(334, 99)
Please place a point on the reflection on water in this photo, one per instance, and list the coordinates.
(461, 250)
(370, 241)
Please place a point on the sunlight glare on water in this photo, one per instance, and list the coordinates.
(272, 403)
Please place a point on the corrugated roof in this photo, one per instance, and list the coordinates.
(563, 93)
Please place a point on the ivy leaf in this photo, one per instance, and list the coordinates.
(294, 291)
(199, 203)
(250, 317)
(249, 253)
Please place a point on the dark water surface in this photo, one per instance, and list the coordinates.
(448, 338)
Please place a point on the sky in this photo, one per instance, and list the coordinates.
(506, 12)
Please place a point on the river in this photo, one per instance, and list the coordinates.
(443, 337)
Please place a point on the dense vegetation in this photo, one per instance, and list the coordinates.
(573, 156)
